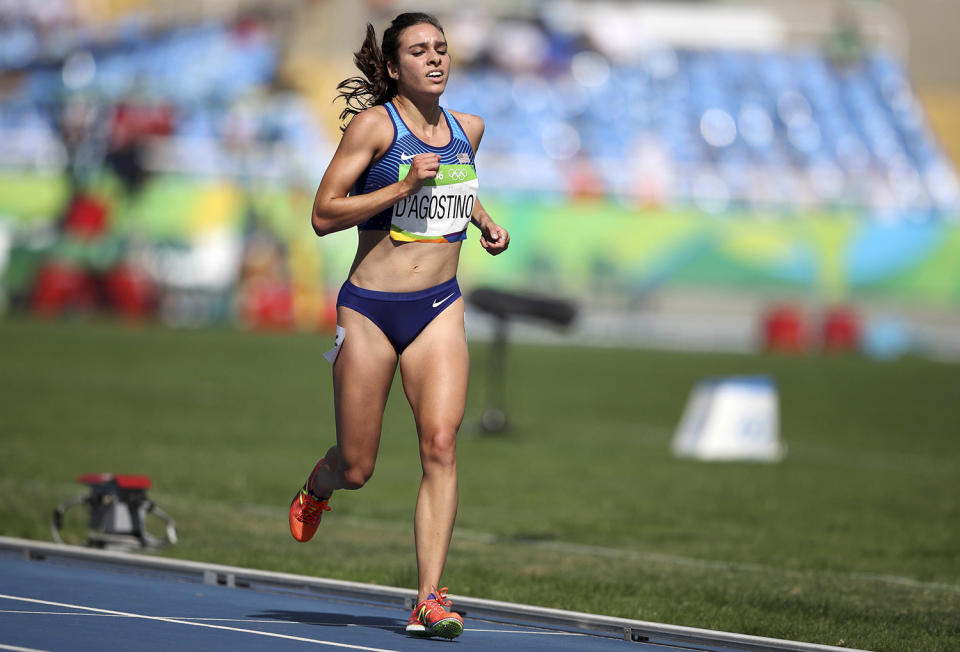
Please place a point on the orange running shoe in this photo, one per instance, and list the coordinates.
(306, 510)
(432, 617)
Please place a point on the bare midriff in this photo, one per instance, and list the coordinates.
(385, 265)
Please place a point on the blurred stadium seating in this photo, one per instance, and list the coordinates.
(715, 128)
(201, 150)
(762, 127)
(204, 90)
(712, 127)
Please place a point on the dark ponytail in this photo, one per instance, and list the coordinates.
(376, 86)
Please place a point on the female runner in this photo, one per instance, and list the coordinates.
(404, 175)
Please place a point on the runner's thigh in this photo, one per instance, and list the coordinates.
(435, 368)
(362, 376)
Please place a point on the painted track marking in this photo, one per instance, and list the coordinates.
(194, 624)
(257, 620)
(521, 631)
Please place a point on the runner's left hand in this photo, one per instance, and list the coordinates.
(494, 239)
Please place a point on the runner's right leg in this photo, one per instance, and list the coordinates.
(362, 375)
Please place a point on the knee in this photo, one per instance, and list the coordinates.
(438, 447)
(354, 476)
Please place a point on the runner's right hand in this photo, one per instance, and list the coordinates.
(422, 167)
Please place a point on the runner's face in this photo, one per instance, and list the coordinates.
(423, 64)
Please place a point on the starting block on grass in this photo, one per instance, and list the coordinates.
(731, 419)
(119, 507)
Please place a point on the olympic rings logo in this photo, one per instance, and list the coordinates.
(456, 174)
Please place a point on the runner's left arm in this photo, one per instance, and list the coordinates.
(493, 237)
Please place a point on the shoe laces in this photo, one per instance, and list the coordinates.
(440, 596)
(311, 509)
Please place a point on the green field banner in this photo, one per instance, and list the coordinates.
(579, 248)
(601, 248)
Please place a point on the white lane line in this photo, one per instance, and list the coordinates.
(247, 620)
(521, 631)
(194, 624)
(58, 613)
(86, 615)
(14, 648)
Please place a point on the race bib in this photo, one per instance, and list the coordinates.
(440, 211)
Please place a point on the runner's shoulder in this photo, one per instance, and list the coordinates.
(472, 126)
(372, 126)
(468, 121)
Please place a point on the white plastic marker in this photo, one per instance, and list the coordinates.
(728, 419)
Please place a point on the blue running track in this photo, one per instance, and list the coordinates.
(85, 601)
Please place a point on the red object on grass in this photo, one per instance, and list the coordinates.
(59, 287)
(123, 481)
(841, 331)
(130, 291)
(784, 330)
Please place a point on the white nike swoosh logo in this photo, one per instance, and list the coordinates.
(406, 157)
(437, 303)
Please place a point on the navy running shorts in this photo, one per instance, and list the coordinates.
(400, 315)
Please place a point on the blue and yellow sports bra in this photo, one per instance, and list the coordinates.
(441, 211)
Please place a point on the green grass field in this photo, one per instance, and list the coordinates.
(852, 540)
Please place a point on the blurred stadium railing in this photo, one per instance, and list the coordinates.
(164, 160)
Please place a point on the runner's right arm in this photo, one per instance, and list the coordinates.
(368, 136)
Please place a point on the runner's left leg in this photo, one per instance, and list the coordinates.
(434, 369)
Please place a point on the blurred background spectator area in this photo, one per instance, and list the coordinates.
(654, 158)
